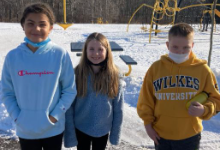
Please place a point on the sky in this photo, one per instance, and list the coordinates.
(136, 44)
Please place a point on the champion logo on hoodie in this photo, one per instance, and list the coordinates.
(24, 72)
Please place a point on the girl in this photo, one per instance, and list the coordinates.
(38, 83)
(98, 107)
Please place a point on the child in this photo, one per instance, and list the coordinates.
(38, 84)
(98, 107)
(169, 83)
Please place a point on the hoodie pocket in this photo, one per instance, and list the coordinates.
(174, 127)
(33, 123)
(197, 124)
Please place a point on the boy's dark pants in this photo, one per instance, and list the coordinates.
(51, 143)
(191, 143)
(85, 141)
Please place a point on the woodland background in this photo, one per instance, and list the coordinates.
(112, 11)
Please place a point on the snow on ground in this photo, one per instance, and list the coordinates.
(135, 43)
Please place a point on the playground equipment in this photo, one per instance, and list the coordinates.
(100, 21)
(164, 8)
(211, 36)
(205, 19)
(65, 25)
(144, 28)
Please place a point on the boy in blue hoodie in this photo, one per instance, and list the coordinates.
(38, 83)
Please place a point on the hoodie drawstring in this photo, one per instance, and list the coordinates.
(178, 80)
(171, 67)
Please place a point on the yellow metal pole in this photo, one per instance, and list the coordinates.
(174, 16)
(64, 25)
(64, 10)
(129, 71)
(190, 6)
(136, 12)
(152, 18)
(211, 36)
(151, 24)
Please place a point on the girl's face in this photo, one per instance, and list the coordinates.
(37, 27)
(96, 53)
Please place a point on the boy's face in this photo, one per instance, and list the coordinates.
(180, 45)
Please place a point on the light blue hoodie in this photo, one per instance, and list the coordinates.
(36, 85)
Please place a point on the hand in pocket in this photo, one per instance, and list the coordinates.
(52, 119)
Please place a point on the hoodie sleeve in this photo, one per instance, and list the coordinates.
(146, 100)
(118, 103)
(7, 92)
(70, 139)
(213, 104)
(68, 87)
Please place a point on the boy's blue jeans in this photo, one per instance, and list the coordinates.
(191, 143)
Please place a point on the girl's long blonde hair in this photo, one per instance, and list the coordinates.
(106, 81)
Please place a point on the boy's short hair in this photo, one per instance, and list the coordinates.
(181, 29)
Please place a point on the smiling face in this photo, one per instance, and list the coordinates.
(180, 44)
(96, 53)
(37, 27)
